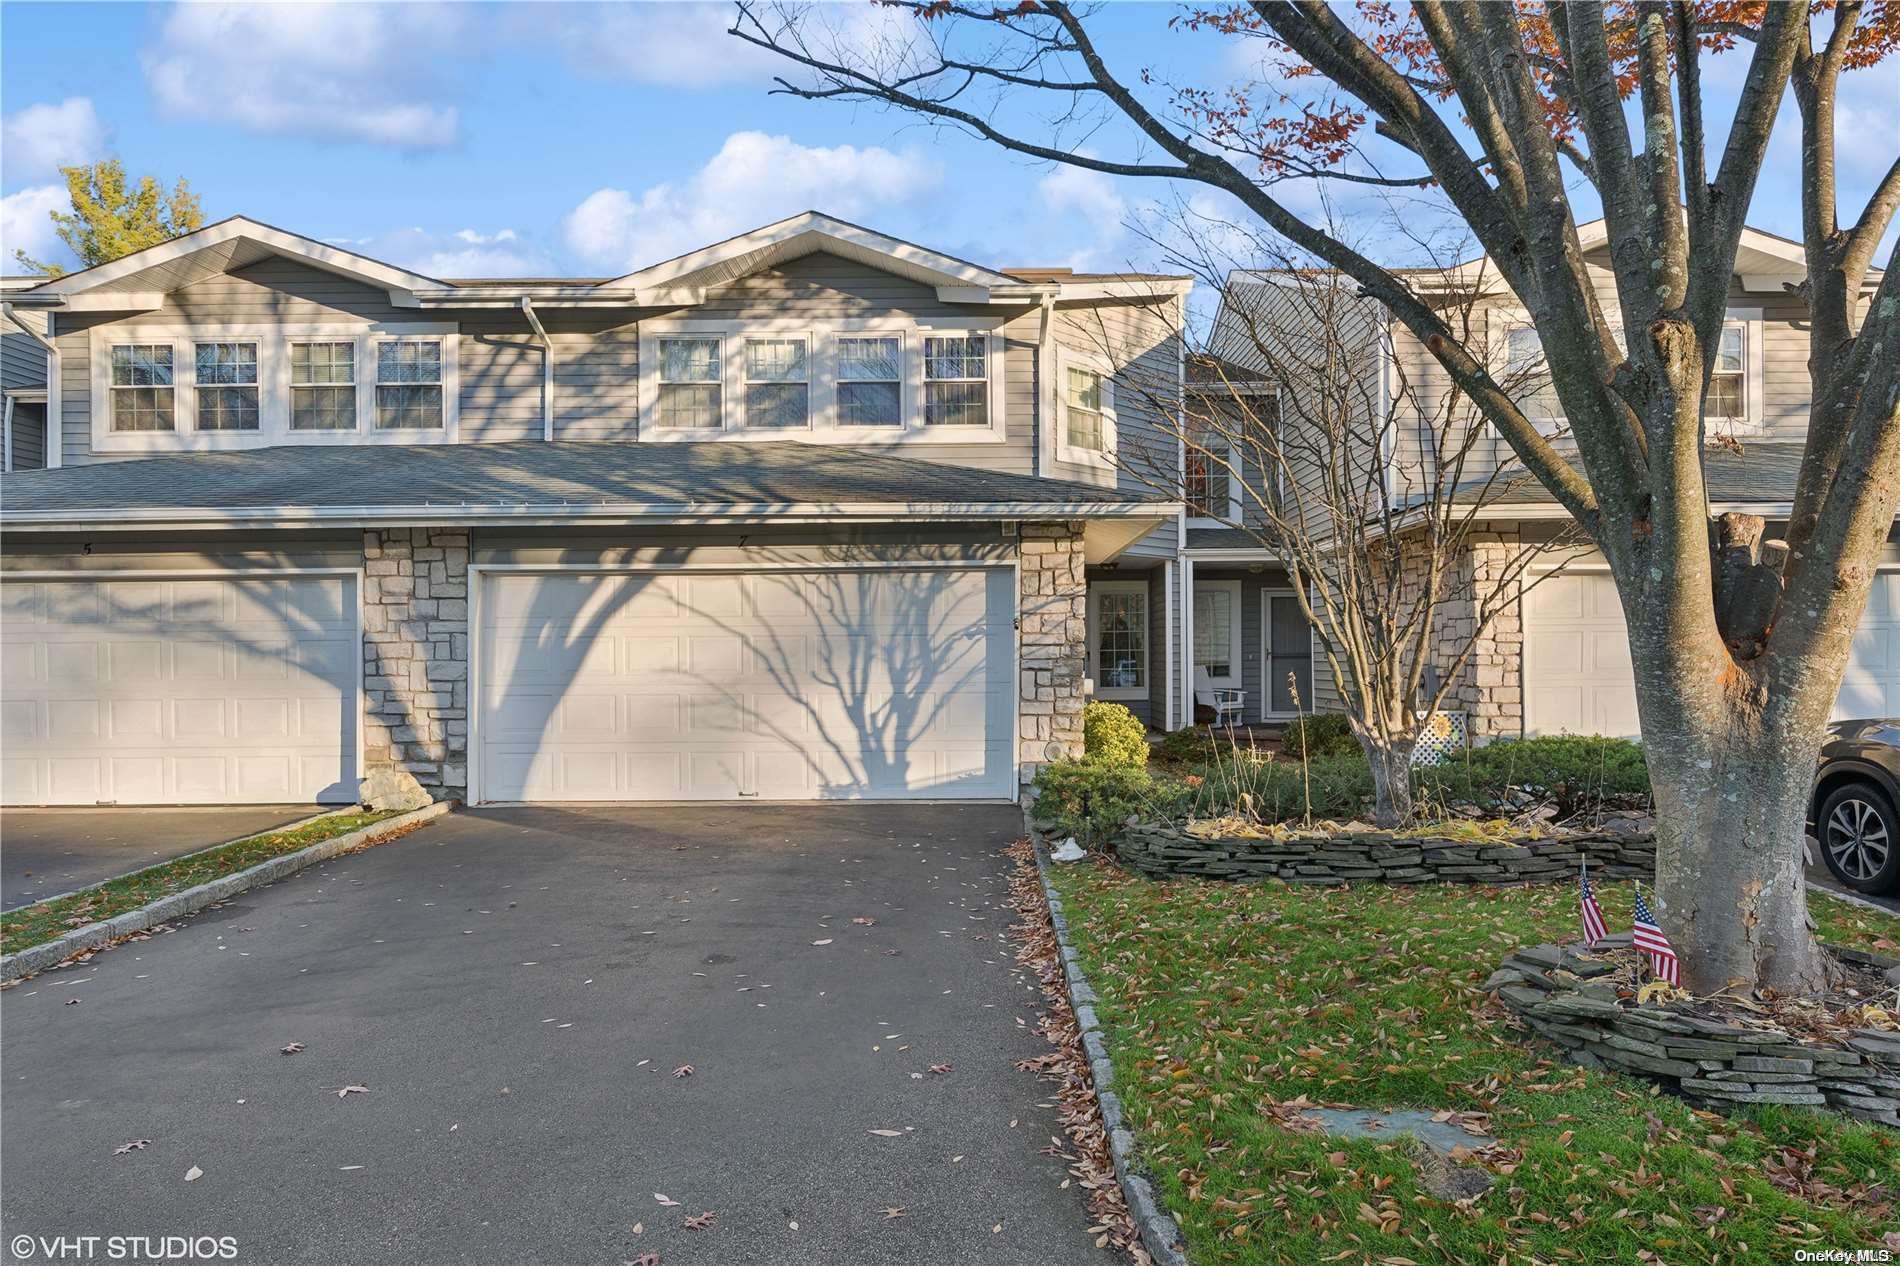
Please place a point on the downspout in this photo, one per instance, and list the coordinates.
(1045, 410)
(6, 429)
(547, 367)
(50, 442)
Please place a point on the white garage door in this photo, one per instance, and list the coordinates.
(1577, 677)
(208, 691)
(775, 685)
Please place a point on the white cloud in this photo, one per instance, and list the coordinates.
(329, 71)
(42, 137)
(24, 226)
(668, 45)
(463, 253)
(754, 179)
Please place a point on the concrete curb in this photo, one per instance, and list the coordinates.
(38, 958)
(1160, 1234)
(185, 857)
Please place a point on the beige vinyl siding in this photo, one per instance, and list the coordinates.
(1141, 341)
(1786, 389)
(822, 287)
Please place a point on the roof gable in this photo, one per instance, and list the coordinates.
(687, 277)
(220, 248)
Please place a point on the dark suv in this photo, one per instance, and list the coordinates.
(1853, 812)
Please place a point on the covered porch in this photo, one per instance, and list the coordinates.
(1225, 618)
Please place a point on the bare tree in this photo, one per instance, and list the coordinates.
(1739, 645)
(1369, 489)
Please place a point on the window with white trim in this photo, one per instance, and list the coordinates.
(690, 386)
(778, 383)
(1217, 630)
(143, 392)
(1118, 638)
(956, 380)
(1208, 488)
(323, 386)
(409, 384)
(870, 380)
(1527, 378)
(1083, 422)
(1727, 399)
(225, 375)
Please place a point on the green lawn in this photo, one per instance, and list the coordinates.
(1222, 998)
(30, 925)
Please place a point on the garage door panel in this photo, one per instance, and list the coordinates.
(778, 685)
(1577, 670)
(180, 690)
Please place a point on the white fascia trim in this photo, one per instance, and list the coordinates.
(607, 513)
(953, 272)
(1146, 288)
(1506, 512)
(1235, 554)
(330, 258)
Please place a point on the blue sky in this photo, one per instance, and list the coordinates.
(476, 139)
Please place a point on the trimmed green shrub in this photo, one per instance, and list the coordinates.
(1090, 799)
(1580, 774)
(1190, 744)
(1320, 735)
(1114, 735)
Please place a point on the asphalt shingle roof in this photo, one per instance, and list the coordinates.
(1763, 471)
(534, 473)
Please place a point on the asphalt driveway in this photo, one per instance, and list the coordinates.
(515, 988)
(44, 852)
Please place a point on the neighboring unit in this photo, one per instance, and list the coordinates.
(802, 514)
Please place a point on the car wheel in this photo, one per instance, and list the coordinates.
(1860, 838)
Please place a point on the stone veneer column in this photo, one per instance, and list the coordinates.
(415, 664)
(1490, 690)
(1052, 604)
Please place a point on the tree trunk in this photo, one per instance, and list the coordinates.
(1391, 763)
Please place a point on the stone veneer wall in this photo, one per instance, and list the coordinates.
(415, 656)
(1489, 690)
(1052, 637)
(1373, 857)
(1554, 988)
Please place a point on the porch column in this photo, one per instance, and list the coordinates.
(1187, 641)
(1052, 615)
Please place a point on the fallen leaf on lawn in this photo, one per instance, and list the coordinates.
(684, 1070)
(666, 1200)
(1335, 1158)
(292, 1049)
(352, 1090)
(940, 1069)
(826, 941)
(887, 1134)
(194, 1174)
(895, 1211)
(701, 1222)
(136, 1145)
(639, 1227)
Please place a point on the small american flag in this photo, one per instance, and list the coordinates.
(1594, 929)
(1649, 938)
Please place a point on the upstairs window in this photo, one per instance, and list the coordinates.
(227, 386)
(1727, 400)
(956, 380)
(870, 381)
(1084, 420)
(689, 383)
(409, 385)
(1209, 490)
(1527, 378)
(777, 383)
(323, 386)
(142, 387)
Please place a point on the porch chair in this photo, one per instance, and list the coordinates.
(1228, 704)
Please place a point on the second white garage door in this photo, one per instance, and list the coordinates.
(787, 685)
(1577, 677)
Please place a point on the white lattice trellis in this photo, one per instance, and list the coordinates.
(1443, 736)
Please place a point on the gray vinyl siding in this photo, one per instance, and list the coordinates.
(29, 436)
(22, 361)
